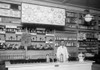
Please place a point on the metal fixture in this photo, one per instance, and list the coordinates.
(88, 17)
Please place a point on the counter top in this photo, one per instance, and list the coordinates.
(53, 64)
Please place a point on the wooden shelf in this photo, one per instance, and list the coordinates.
(86, 30)
(71, 46)
(71, 28)
(39, 41)
(67, 40)
(13, 41)
(33, 33)
(50, 42)
(50, 35)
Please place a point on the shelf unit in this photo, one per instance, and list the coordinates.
(42, 42)
(70, 39)
(74, 33)
(87, 39)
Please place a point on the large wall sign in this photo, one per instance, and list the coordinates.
(42, 14)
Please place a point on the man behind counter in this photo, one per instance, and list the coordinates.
(62, 52)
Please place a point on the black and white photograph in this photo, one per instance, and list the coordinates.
(49, 35)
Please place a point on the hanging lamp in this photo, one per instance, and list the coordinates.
(88, 17)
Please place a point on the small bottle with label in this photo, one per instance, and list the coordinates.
(61, 58)
(47, 58)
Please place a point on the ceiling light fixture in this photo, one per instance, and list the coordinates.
(88, 17)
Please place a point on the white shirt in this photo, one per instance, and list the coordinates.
(62, 50)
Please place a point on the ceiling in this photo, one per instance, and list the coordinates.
(90, 3)
(83, 3)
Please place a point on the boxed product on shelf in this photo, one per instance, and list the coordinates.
(13, 45)
(10, 13)
(5, 5)
(10, 20)
(10, 36)
(49, 39)
(2, 37)
(33, 38)
(40, 37)
(71, 26)
(49, 46)
(33, 46)
(2, 45)
(18, 37)
(81, 36)
(0, 19)
(14, 13)
(70, 14)
(4, 12)
(40, 46)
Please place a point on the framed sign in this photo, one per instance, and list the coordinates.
(42, 15)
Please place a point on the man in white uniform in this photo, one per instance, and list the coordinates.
(62, 53)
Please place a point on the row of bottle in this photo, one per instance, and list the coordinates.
(29, 30)
(9, 57)
(65, 38)
(67, 44)
(71, 26)
(87, 36)
(15, 46)
(12, 46)
(88, 44)
(86, 27)
(16, 37)
(70, 20)
(91, 35)
(73, 14)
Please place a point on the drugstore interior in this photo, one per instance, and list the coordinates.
(32, 29)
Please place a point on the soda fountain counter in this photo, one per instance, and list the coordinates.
(71, 65)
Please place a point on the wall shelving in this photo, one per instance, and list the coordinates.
(44, 40)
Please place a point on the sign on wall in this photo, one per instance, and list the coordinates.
(42, 14)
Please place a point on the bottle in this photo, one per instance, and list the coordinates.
(47, 58)
(61, 58)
